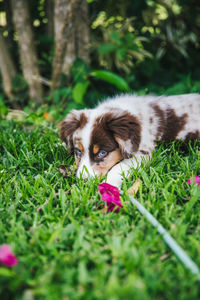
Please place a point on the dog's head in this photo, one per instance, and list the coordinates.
(100, 141)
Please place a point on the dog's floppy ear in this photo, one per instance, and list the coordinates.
(74, 120)
(126, 130)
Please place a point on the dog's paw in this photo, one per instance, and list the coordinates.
(114, 178)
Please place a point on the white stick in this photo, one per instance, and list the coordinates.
(180, 253)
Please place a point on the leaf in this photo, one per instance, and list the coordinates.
(164, 256)
(136, 54)
(112, 78)
(145, 178)
(106, 48)
(79, 70)
(121, 53)
(56, 96)
(6, 272)
(115, 37)
(66, 92)
(79, 91)
(134, 188)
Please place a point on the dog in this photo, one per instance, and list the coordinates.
(120, 132)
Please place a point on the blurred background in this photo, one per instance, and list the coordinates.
(56, 55)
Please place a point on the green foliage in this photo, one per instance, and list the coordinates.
(122, 46)
(19, 84)
(79, 70)
(83, 81)
(62, 94)
(184, 85)
(112, 78)
(3, 107)
(178, 37)
(124, 50)
(79, 91)
(147, 44)
(20, 90)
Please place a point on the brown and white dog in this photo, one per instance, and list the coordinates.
(118, 133)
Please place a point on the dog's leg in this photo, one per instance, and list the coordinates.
(115, 175)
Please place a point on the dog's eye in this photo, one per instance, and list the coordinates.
(102, 154)
(78, 152)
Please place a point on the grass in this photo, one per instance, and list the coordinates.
(69, 249)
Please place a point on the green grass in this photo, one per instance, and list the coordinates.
(69, 249)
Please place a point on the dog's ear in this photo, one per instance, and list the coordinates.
(126, 130)
(75, 119)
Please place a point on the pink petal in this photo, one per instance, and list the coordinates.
(109, 189)
(7, 257)
(196, 180)
(110, 194)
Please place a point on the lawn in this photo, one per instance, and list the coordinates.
(69, 249)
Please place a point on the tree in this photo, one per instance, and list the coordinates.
(7, 67)
(71, 34)
(67, 21)
(28, 56)
(49, 5)
(78, 36)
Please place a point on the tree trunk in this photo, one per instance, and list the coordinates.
(27, 49)
(50, 16)
(9, 22)
(71, 36)
(78, 36)
(7, 67)
(61, 13)
(82, 31)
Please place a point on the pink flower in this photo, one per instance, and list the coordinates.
(196, 180)
(7, 258)
(110, 194)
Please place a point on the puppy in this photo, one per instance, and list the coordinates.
(120, 132)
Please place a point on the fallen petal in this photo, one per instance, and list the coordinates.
(109, 189)
(110, 194)
(7, 257)
(196, 180)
